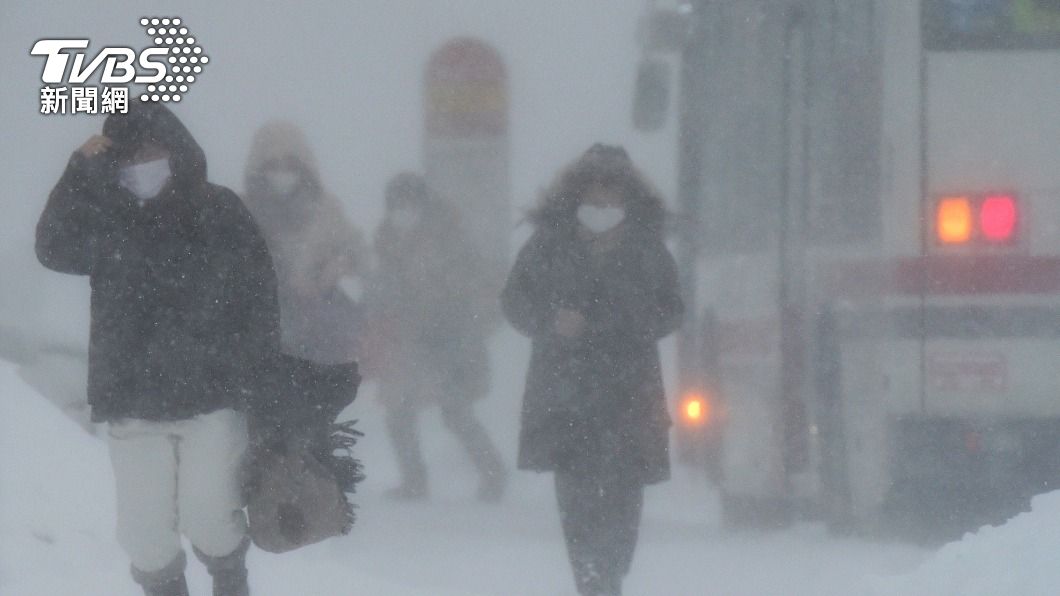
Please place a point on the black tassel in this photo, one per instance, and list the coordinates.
(346, 468)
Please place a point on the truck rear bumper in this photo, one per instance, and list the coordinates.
(954, 464)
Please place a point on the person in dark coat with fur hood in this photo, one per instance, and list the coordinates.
(595, 289)
(184, 318)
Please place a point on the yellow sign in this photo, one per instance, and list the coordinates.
(464, 98)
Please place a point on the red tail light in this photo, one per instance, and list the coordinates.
(991, 219)
(998, 215)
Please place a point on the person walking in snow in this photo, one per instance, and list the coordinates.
(315, 248)
(430, 322)
(595, 289)
(184, 318)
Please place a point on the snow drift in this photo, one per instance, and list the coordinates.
(1018, 557)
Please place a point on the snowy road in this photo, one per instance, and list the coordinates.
(516, 549)
(56, 538)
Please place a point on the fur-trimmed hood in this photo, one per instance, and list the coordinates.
(608, 165)
(279, 142)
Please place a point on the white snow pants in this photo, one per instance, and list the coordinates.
(178, 478)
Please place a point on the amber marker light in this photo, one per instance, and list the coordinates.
(695, 409)
(953, 221)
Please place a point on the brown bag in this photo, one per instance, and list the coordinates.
(300, 467)
(297, 501)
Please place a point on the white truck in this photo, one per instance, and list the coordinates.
(869, 236)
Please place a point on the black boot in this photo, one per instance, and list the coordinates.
(173, 587)
(168, 581)
(229, 572)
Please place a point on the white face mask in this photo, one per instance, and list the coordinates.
(283, 182)
(404, 218)
(600, 219)
(145, 180)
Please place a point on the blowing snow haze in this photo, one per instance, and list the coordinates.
(350, 76)
(677, 297)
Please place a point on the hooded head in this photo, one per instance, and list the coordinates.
(281, 165)
(149, 122)
(603, 169)
(411, 202)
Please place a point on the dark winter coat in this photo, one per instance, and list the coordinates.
(184, 310)
(595, 403)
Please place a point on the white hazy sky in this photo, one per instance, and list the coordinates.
(350, 74)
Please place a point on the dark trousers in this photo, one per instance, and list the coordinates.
(601, 520)
(459, 418)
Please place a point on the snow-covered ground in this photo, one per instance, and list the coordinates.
(57, 518)
(1018, 557)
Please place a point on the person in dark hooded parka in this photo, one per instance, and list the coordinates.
(595, 288)
(184, 317)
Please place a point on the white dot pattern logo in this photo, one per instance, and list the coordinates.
(183, 51)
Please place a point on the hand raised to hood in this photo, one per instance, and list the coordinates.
(95, 145)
